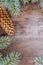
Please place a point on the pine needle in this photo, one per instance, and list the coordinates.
(38, 61)
(24, 1)
(10, 59)
(12, 5)
(5, 41)
(41, 4)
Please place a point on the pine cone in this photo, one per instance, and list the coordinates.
(6, 22)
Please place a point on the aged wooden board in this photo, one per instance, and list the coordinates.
(28, 39)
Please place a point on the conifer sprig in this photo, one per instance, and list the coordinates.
(10, 59)
(14, 5)
(24, 1)
(5, 41)
(38, 61)
(41, 4)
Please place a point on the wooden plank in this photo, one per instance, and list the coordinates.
(28, 39)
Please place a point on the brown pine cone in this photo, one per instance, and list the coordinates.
(6, 22)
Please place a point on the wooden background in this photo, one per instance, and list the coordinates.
(28, 39)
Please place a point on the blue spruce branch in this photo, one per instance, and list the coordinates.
(5, 41)
(10, 59)
(14, 5)
(38, 61)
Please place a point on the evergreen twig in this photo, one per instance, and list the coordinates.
(14, 5)
(38, 61)
(24, 1)
(5, 41)
(10, 59)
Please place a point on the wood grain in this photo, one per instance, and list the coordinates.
(28, 39)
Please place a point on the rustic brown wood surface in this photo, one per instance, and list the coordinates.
(28, 39)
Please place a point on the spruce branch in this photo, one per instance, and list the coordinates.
(33, 1)
(12, 5)
(38, 61)
(41, 4)
(5, 41)
(24, 1)
(10, 59)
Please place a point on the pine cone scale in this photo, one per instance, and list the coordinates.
(5, 21)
